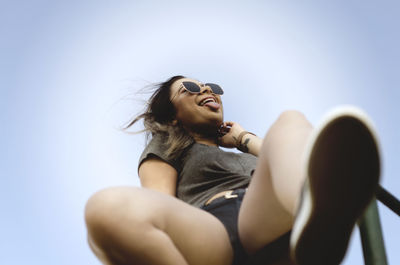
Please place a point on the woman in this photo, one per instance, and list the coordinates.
(231, 205)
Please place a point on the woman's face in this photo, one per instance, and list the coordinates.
(196, 111)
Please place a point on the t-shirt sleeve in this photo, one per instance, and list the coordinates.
(157, 148)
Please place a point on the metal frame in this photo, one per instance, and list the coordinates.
(371, 231)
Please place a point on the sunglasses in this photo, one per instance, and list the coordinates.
(195, 88)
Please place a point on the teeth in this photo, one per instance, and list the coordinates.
(206, 101)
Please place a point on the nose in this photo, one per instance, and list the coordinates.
(205, 89)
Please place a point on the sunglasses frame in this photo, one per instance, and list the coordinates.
(210, 85)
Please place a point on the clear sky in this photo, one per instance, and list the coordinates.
(69, 71)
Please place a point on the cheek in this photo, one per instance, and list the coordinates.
(186, 114)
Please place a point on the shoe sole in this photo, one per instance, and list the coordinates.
(338, 187)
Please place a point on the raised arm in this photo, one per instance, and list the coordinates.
(158, 175)
(232, 131)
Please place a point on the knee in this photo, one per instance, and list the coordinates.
(104, 208)
(289, 123)
(291, 116)
(98, 205)
(290, 120)
(108, 214)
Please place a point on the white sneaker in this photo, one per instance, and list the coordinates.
(342, 166)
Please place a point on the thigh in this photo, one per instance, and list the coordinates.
(269, 205)
(262, 219)
(129, 212)
(200, 235)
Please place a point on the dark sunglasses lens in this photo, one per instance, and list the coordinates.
(191, 87)
(215, 88)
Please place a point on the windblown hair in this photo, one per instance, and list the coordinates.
(158, 119)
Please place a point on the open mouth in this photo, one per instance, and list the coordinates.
(210, 102)
(207, 100)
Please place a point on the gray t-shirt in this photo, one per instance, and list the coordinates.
(203, 170)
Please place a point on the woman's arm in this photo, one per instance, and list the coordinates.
(232, 130)
(158, 175)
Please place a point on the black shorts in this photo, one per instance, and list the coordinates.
(227, 211)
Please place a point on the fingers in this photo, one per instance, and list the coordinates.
(224, 129)
(228, 123)
(233, 129)
(226, 126)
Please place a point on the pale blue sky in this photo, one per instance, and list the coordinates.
(68, 70)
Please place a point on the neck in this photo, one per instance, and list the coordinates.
(204, 134)
(212, 141)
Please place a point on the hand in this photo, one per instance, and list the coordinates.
(229, 133)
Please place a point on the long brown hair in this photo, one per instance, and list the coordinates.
(158, 117)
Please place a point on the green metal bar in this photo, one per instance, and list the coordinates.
(371, 236)
(388, 200)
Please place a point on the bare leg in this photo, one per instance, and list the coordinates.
(140, 226)
(271, 200)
